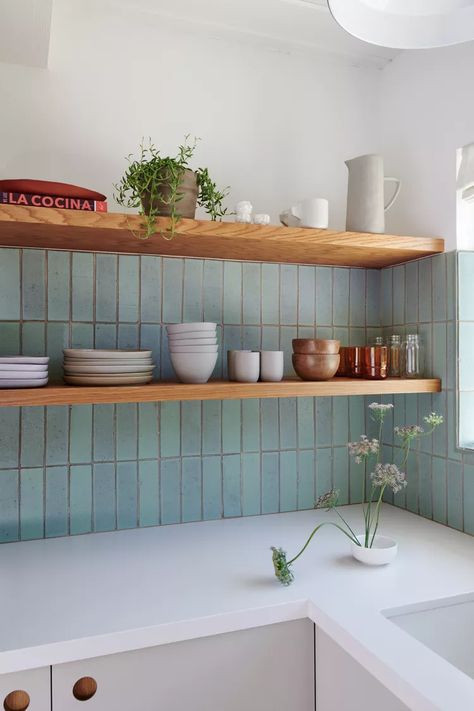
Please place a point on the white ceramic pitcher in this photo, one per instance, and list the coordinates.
(365, 194)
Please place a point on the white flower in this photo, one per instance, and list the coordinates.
(389, 475)
(433, 419)
(380, 407)
(363, 448)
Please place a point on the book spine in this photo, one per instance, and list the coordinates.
(62, 203)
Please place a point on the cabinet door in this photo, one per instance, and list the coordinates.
(26, 690)
(268, 668)
(342, 684)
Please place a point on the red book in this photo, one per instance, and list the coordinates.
(57, 201)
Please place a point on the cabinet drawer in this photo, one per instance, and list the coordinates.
(26, 690)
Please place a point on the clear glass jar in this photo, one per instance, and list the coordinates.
(394, 354)
(411, 357)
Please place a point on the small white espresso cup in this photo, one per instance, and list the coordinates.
(231, 363)
(313, 212)
(246, 366)
(271, 366)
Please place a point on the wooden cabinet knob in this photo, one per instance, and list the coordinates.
(84, 688)
(17, 700)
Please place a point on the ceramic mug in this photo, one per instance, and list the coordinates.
(246, 366)
(313, 212)
(271, 366)
(231, 363)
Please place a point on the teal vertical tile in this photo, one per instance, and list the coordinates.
(288, 481)
(398, 294)
(288, 294)
(305, 420)
(270, 425)
(306, 331)
(9, 339)
(357, 482)
(324, 289)
(32, 436)
(340, 312)
(59, 286)
(105, 335)
(232, 292)
(104, 433)
(150, 340)
(190, 427)
(150, 289)
(128, 289)
(213, 291)
(288, 436)
(31, 503)
(193, 288)
(425, 333)
(170, 479)
(306, 494)
(451, 426)
(34, 285)
(270, 338)
(192, 489)
(287, 333)
(128, 336)
(57, 435)
(468, 499)
(451, 285)
(211, 426)
(440, 435)
(341, 473)
(411, 292)
(9, 506)
(56, 502)
(57, 338)
(10, 284)
(231, 485)
(106, 287)
(340, 414)
(80, 446)
(323, 471)
(148, 427)
(251, 338)
(270, 482)
(211, 488)
(231, 426)
(357, 307)
(455, 496)
(438, 265)
(372, 311)
(270, 293)
(82, 287)
(356, 417)
(306, 295)
(251, 299)
(425, 310)
(148, 494)
(250, 425)
(105, 509)
(232, 341)
(426, 486)
(80, 499)
(413, 486)
(251, 499)
(439, 490)
(439, 351)
(173, 290)
(127, 431)
(127, 495)
(9, 437)
(387, 296)
(33, 336)
(323, 421)
(341, 334)
(170, 429)
(465, 286)
(451, 356)
(82, 335)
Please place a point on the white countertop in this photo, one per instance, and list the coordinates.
(79, 597)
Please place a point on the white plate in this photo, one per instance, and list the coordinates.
(191, 335)
(112, 380)
(40, 360)
(99, 354)
(107, 369)
(104, 362)
(36, 383)
(183, 327)
(23, 367)
(22, 375)
(193, 341)
(193, 349)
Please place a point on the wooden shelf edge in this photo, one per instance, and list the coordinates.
(56, 394)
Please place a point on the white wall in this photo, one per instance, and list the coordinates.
(427, 112)
(275, 126)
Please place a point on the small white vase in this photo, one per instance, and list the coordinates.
(383, 551)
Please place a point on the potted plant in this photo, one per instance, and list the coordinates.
(165, 186)
(368, 547)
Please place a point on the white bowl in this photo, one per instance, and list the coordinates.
(383, 551)
(193, 341)
(193, 349)
(198, 326)
(193, 367)
(191, 335)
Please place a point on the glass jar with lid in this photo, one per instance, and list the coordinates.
(411, 357)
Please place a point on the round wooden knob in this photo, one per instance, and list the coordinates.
(17, 700)
(84, 688)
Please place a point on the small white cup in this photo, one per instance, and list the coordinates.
(313, 212)
(271, 366)
(246, 366)
(261, 219)
(231, 363)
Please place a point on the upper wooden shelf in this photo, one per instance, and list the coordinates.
(49, 228)
(213, 390)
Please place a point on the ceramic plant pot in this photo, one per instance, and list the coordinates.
(187, 203)
(383, 551)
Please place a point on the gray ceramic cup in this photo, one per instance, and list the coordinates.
(230, 363)
(271, 366)
(246, 366)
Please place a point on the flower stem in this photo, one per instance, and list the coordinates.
(377, 514)
(315, 530)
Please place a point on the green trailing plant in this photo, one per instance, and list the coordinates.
(152, 181)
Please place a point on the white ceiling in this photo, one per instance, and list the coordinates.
(25, 31)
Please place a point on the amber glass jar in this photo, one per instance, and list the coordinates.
(355, 361)
(375, 362)
(343, 370)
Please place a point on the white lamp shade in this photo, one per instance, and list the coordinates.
(406, 24)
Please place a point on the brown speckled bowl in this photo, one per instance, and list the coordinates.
(316, 366)
(317, 346)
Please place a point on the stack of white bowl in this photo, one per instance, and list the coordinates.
(193, 350)
(23, 371)
(88, 366)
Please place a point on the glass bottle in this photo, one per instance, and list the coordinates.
(411, 357)
(377, 341)
(394, 353)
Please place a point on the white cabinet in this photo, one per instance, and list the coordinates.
(342, 684)
(26, 690)
(267, 668)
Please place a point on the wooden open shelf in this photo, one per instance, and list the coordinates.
(214, 390)
(72, 230)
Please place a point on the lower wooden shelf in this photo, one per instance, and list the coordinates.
(57, 394)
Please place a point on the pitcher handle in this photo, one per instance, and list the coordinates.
(395, 194)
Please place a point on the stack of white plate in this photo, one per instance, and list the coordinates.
(84, 366)
(23, 372)
(193, 350)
